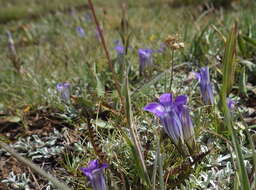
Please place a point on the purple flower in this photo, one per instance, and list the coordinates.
(145, 58)
(95, 173)
(205, 85)
(230, 103)
(80, 31)
(119, 48)
(162, 48)
(187, 127)
(64, 89)
(174, 117)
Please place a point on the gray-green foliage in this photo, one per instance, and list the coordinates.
(51, 51)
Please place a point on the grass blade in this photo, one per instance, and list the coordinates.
(41, 172)
(250, 41)
(241, 45)
(242, 83)
(153, 177)
(160, 167)
(228, 62)
(134, 135)
(99, 86)
(228, 77)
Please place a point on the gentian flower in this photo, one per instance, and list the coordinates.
(174, 117)
(230, 103)
(95, 173)
(80, 31)
(145, 58)
(64, 89)
(119, 48)
(187, 127)
(205, 85)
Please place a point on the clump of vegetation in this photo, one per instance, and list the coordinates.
(77, 85)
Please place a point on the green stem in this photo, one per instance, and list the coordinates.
(243, 176)
(133, 131)
(160, 163)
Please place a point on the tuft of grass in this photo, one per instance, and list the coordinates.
(51, 51)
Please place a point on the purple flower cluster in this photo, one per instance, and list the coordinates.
(95, 173)
(174, 117)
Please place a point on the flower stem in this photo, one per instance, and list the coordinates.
(171, 80)
(110, 64)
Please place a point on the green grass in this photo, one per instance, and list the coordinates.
(140, 155)
(31, 8)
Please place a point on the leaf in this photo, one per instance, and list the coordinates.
(1, 107)
(242, 82)
(99, 86)
(103, 124)
(249, 65)
(242, 46)
(250, 41)
(229, 63)
(228, 77)
(13, 119)
(136, 145)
